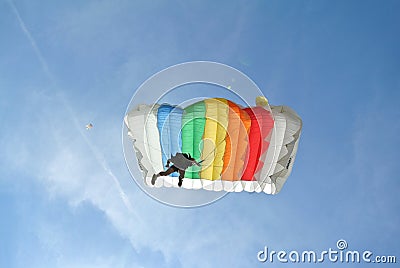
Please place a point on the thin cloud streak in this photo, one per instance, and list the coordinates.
(99, 157)
(32, 41)
(97, 154)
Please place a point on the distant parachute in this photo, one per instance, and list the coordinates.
(242, 149)
(89, 126)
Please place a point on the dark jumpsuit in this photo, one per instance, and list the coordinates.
(173, 169)
(181, 163)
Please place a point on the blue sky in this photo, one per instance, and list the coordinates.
(67, 198)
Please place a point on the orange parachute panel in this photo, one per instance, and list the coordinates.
(236, 143)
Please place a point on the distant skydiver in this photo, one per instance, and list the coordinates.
(181, 161)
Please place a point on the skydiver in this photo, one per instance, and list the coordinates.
(181, 161)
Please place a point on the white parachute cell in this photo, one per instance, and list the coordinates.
(281, 156)
(142, 128)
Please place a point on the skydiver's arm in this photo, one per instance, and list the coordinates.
(196, 163)
(167, 165)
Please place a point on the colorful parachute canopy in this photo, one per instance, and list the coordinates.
(250, 149)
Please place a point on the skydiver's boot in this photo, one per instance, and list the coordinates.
(181, 176)
(153, 179)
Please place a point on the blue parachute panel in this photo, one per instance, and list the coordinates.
(169, 122)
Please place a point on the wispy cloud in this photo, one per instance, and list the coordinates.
(32, 41)
(78, 126)
(183, 234)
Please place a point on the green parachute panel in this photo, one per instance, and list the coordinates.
(193, 123)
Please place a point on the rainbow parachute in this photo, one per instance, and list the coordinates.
(250, 149)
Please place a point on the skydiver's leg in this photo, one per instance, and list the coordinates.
(181, 176)
(163, 173)
(167, 172)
